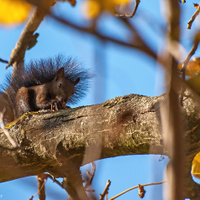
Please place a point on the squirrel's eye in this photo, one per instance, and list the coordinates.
(59, 85)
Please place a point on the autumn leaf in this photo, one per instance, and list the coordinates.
(141, 191)
(93, 8)
(196, 5)
(14, 11)
(193, 72)
(118, 2)
(196, 166)
(194, 82)
(192, 67)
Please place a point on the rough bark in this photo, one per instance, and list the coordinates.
(55, 141)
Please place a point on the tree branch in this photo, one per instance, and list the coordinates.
(185, 63)
(132, 188)
(129, 44)
(105, 192)
(124, 126)
(27, 37)
(3, 61)
(172, 128)
(190, 22)
(41, 179)
(190, 54)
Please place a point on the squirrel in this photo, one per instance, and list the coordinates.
(43, 84)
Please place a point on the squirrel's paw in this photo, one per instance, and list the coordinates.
(57, 105)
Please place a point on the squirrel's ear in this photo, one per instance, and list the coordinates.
(59, 74)
(76, 81)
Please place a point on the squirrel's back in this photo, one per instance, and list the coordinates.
(43, 72)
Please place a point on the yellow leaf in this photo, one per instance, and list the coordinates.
(91, 8)
(194, 82)
(196, 166)
(14, 11)
(117, 2)
(196, 5)
(192, 67)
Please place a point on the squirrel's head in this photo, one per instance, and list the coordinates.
(63, 88)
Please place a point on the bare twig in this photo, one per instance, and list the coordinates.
(90, 175)
(54, 179)
(137, 36)
(41, 178)
(5, 130)
(185, 63)
(41, 184)
(105, 192)
(190, 22)
(3, 61)
(137, 2)
(132, 188)
(25, 38)
(190, 54)
(145, 50)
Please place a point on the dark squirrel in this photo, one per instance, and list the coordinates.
(43, 84)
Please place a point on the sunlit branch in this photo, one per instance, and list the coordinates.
(185, 63)
(190, 22)
(26, 36)
(105, 192)
(188, 57)
(132, 188)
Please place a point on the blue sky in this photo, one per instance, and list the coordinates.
(123, 71)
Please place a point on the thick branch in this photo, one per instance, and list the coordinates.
(121, 126)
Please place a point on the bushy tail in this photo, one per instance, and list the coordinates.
(40, 72)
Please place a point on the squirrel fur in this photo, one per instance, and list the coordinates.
(43, 84)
